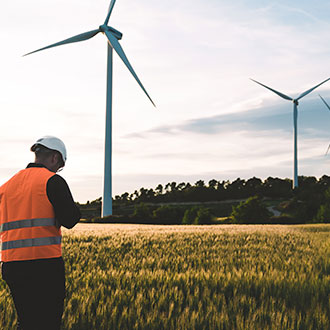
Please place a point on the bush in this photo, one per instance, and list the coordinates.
(203, 217)
(167, 215)
(251, 211)
(190, 215)
(142, 213)
(303, 211)
(197, 216)
(323, 214)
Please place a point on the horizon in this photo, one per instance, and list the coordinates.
(206, 183)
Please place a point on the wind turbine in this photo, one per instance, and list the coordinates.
(326, 104)
(112, 36)
(295, 117)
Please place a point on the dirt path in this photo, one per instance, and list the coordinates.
(275, 212)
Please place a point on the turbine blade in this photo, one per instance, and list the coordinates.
(327, 150)
(77, 38)
(112, 3)
(274, 91)
(310, 90)
(324, 101)
(116, 46)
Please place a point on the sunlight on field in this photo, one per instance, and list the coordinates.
(106, 229)
(193, 277)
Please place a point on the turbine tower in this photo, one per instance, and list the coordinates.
(295, 117)
(327, 105)
(113, 36)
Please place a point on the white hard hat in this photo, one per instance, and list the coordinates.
(53, 143)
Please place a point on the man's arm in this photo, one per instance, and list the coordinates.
(66, 211)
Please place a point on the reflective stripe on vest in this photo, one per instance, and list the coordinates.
(30, 242)
(27, 223)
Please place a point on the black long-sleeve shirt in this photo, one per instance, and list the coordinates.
(67, 214)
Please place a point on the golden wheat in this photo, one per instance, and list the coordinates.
(193, 277)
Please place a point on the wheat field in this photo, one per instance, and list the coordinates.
(193, 277)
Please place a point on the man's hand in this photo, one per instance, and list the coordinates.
(57, 224)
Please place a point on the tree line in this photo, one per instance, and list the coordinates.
(169, 203)
(216, 190)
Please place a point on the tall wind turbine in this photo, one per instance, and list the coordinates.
(295, 117)
(112, 36)
(327, 105)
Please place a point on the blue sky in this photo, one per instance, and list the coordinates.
(195, 59)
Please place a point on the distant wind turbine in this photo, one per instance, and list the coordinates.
(112, 36)
(329, 109)
(295, 117)
(327, 150)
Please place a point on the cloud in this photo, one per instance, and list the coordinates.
(313, 119)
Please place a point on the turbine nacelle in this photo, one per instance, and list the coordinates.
(103, 28)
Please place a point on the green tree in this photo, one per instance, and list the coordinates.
(253, 186)
(203, 216)
(324, 182)
(167, 215)
(181, 186)
(200, 183)
(236, 188)
(213, 184)
(125, 197)
(275, 187)
(250, 211)
(323, 214)
(197, 216)
(159, 189)
(190, 215)
(142, 212)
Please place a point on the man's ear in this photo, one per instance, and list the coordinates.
(58, 159)
(55, 158)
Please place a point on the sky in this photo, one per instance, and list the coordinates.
(195, 58)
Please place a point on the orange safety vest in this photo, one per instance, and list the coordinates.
(28, 228)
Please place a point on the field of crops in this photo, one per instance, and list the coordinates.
(193, 277)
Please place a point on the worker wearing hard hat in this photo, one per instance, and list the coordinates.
(34, 204)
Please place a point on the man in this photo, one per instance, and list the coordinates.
(34, 204)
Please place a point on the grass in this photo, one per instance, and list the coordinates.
(193, 277)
